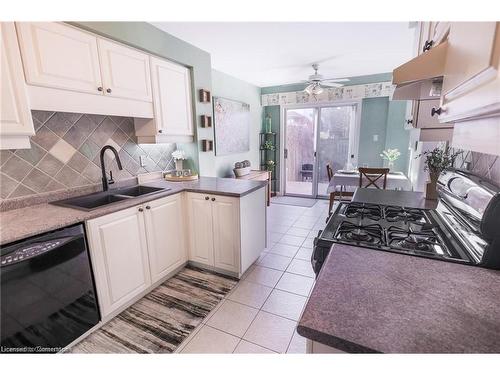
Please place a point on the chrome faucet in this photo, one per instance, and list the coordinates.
(105, 181)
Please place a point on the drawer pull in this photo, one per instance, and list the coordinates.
(436, 111)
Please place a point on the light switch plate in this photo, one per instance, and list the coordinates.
(375, 137)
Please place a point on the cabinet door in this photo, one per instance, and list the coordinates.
(16, 123)
(172, 98)
(59, 56)
(165, 235)
(200, 228)
(125, 71)
(119, 257)
(470, 54)
(226, 229)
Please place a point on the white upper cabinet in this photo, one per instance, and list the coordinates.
(71, 70)
(59, 56)
(173, 105)
(471, 83)
(125, 71)
(165, 234)
(16, 124)
(470, 52)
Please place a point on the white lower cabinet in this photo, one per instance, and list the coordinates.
(119, 252)
(165, 235)
(227, 233)
(201, 238)
(134, 248)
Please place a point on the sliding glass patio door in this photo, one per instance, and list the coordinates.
(314, 137)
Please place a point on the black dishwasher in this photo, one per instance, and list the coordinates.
(48, 295)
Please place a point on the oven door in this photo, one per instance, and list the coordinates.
(47, 292)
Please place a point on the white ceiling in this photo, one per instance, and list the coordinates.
(273, 53)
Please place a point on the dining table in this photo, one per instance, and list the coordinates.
(340, 179)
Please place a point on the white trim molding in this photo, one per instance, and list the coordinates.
(331, 94)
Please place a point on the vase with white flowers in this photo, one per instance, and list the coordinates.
(179, 156)
(391, 155)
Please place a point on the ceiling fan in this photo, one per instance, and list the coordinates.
(316, 82)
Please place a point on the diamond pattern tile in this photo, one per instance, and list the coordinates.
(65, 153)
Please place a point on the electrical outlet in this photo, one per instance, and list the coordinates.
(375, 138)
(141, 160)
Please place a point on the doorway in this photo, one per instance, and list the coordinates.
(314, 136)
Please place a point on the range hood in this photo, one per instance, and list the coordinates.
(421, 77)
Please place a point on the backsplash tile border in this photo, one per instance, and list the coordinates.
(64, 154)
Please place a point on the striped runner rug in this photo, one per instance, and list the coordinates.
(160, 321)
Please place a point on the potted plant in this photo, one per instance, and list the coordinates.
(436, 161)
(179, 156)
(391, 155)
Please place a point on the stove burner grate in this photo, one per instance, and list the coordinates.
(395, 213)
(370, 234)
(411, 239)
(363, 210)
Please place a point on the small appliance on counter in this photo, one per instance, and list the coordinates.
(47, 292)
(464, 227)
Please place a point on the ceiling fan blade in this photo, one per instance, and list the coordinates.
(335, 80)
(332, 84)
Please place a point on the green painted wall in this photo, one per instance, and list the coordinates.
(373, 123)
(396, 135)
(150, 39)
(229, 87)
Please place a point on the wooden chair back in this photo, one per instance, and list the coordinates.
(373, 176)
(329, 171)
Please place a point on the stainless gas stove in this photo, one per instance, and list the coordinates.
(461, 229)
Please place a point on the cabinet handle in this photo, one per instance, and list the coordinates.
(148, 207)
(108, 91)
(409, 122)
(427, 45)
(141, 209)
(207, 198)
(160, 131)
(99, 88)
(436, 111)
(213, 199)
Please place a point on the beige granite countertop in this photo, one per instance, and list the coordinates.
(28, 221)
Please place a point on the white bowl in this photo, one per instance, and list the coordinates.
(241, 171)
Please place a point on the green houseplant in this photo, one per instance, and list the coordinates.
(436, 161)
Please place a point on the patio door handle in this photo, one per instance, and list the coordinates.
(314, 153)
(286, 153)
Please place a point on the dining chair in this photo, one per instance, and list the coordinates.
(373, 176)
(329, 172)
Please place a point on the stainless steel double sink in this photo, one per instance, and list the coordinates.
(97, 200)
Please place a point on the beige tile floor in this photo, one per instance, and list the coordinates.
(260, 314)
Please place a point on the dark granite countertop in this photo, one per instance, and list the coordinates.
(374, 301)
(28, 221)
(410, 199)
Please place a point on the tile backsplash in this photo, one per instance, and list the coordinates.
(65, 154)
(484, 165)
